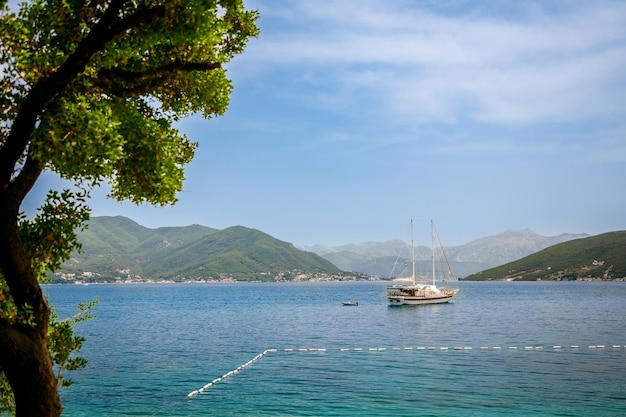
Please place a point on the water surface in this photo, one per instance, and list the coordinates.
(151, 345)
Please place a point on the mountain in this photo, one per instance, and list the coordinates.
(382, 258)
(506, 246)
(601, 257)
(118, 249)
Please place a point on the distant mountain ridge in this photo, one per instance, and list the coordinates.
(117, 249)
(382, 258)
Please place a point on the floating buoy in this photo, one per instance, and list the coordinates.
(374, 349)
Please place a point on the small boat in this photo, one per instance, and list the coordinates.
(350, 303)
(417, 293)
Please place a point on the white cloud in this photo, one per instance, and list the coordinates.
(425, 66)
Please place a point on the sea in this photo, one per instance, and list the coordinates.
(293, 349)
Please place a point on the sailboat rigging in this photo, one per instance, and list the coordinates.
(417, 293)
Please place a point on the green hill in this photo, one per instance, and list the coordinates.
(601, 257)
(118, 249)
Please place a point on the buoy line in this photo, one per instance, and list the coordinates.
(229, 374)
(407, 348)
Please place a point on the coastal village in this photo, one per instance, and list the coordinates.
(127, 277)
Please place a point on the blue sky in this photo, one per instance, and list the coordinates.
(351, 117)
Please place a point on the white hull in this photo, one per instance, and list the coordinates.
(419, 295)
(408, 300)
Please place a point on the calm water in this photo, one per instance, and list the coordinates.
(151, 345)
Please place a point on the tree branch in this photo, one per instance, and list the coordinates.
(119, 81)
(109, 28)
(14, 262)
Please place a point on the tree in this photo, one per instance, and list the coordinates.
(90, 90)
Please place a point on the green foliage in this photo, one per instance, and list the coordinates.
(90, 90)
(153, 64)
(7, 401)
(599, 257)
(63, 342)
(9, 311)
(50, 236)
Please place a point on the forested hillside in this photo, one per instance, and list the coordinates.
(118, 249)
(601, 257)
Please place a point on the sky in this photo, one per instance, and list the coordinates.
(351, 117)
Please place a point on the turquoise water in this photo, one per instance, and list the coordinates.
(152, 345)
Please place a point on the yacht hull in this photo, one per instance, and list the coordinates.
(408, 300)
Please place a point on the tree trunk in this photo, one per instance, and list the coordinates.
(28, 367)
(24, 355)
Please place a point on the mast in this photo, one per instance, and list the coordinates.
(412, 253)
(432, 235)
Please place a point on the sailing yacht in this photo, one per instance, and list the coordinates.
(417, 293)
